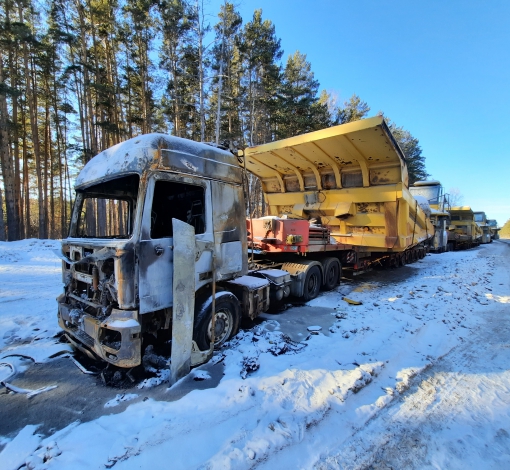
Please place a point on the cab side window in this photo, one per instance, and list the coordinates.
(181, 201)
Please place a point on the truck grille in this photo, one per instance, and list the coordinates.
(83, 337)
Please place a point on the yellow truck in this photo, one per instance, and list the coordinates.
(481, 220)
(433, 194)
(463, 231)
(350, 180)
(494, 230)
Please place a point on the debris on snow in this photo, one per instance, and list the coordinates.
(27, 392)
(199, 375)
(352, 302)
(314, 328)
(121, 397)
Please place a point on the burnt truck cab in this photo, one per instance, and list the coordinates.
(118, 260)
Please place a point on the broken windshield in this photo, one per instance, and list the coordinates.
(106, 210)
(431, 193)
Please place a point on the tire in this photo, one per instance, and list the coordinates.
(394, 261)
(312, 285)
(331, 268)
(228, 315)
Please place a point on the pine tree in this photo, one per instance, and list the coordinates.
(79, 76)
(410, 145)
(261, 52)
(299, 108)
(10, 91)
(177, 59)
(352, 110)
(226, 64)
(137, 34)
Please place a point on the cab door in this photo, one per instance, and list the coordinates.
(168, 197)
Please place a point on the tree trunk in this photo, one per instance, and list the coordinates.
(31, 94)
(2, 223)
(7, 167)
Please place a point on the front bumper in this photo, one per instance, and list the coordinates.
(116, 340)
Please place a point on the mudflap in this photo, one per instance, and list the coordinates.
(183, 299)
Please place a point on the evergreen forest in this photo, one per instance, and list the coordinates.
(78, 76)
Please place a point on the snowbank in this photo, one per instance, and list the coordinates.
(276, 394)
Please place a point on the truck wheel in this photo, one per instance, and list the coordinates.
(331, 268)
(313, 283)
(227, 321)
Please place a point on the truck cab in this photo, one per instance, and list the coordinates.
(464, 231)
(432, 192)
(119, 270)
(481, 220)
(494, 230)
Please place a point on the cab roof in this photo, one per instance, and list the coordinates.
(461, 209)
(162, 152)
(427, 183)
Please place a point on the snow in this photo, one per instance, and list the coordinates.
(397, 379)
(19, 449)
(314, 328)
(250, 282)
(423, 203)
(128, 323)
(121, 397)
(427, 183)
(30, 280)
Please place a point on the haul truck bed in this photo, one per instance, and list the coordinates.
(350, 180)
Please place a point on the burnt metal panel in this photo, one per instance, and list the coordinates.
(155, 269)
(205, 166)
(184, 299)
(139, 154)
(229, 226)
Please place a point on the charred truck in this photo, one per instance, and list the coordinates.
(158, 242)
(158, 248)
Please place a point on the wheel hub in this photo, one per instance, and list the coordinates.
(222, 327)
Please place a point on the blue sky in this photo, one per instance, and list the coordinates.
(440, 69)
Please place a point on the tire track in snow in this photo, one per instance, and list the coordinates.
(455, 414)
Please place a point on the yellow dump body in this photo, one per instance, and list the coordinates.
(463, 219)
(352, 178)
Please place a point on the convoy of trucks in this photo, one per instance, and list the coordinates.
(457, 227)
(160, 249)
